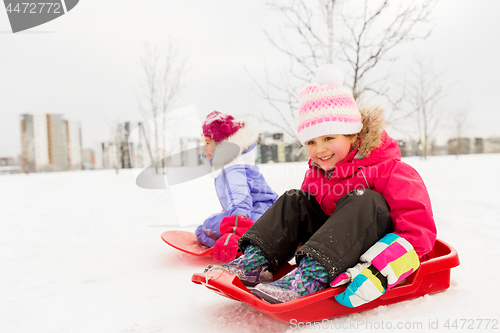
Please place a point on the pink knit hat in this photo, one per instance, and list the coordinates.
(219, 126)
(327, 108)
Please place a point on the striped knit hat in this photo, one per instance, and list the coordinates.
(327, 108)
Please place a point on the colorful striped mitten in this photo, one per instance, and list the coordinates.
(384, 265)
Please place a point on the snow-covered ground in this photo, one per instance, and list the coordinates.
(81, 252)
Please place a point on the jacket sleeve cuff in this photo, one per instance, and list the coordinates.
(235, 224)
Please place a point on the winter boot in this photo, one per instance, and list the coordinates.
(309, 277)
(251, 267)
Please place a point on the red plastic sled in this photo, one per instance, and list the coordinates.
(432, 276)
(185, 241)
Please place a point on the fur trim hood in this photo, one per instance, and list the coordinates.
(244, 138)
(373, 127)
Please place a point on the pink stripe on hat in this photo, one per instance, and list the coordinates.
(328, 102)
(328, 107)
(332, 118)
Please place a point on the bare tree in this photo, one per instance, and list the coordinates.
(112, 154)
(28, 151)
(327, 30)
(28, 157)
(117, 140)
(460, 124)
(164, 71)
(425, 93)
(374, 33)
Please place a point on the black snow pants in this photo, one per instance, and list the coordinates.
(360, 219)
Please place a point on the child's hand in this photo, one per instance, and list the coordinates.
(226, 248)
(232, 228)
(388, 262)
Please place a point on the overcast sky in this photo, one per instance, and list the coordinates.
(86, 64)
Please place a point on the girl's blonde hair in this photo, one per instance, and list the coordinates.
(354, 138)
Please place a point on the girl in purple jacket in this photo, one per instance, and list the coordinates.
(362, 216)
(242, 190)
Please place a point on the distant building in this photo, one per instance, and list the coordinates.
(132, 146)
(296, 152)
(191, 151)
(478, 146)
(50, 143)
(459, 146)
(126, 150)
(471, 146)
(74, 145)
(272, 148)
(439, 150)
(108, 156)
(9, 165)
(409, 147)
(268, 146)
(88, 159)
(7, 161)
(491, 145)
(403, 148)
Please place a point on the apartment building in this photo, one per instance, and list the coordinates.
(50, 143)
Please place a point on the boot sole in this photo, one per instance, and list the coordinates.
(265, 297)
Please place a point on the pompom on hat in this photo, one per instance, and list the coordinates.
(327, 107)
(219, 126)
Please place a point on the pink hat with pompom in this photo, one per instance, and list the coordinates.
(219, 126)
(327, 107)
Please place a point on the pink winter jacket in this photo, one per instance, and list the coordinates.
(382, 171)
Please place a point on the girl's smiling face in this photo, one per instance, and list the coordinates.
(328, 150)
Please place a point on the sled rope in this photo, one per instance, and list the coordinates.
(252, 261)
(207, 278)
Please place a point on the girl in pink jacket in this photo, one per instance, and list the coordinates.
(362, 216)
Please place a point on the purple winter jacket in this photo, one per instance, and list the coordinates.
(242, 190)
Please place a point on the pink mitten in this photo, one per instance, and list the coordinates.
(232, 228)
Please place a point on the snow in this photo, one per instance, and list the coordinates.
(81, 252)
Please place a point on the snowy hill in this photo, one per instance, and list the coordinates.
(81, 252)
